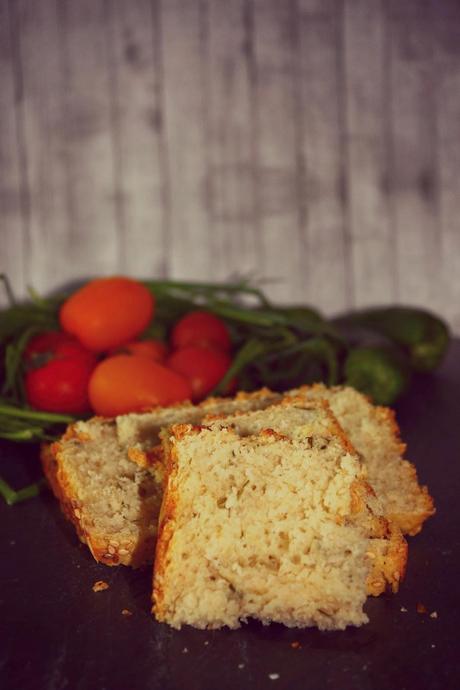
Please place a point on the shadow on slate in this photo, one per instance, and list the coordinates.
(56, 633)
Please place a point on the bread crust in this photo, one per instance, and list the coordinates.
(387, 550)
(108, 550)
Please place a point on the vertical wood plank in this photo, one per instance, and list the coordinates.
(446, 23)
(184, 43)
(42, 121)
(277, 140)
(373, 258)
(11, 210)
(138, 136)
(93, 245)
(326, 255)
(230, 141)
(413, 176)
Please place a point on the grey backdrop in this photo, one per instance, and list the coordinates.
(316, 142)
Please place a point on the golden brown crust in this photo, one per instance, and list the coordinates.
(388, 562)
(387, 552)
(103, 548)
(166, 525)
(410, 523)
(147, 459)
(70, 507)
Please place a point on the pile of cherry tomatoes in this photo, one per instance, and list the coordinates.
(97, 363)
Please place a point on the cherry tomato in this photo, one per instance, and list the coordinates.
(129, 383)
(107, 312)
(203, 367)
(51, 344)
(155, 349)
(59, 369)
(201, 328)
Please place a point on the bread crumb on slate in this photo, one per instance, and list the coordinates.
(185, 650)
(126, 612)
(240, 665)
(434, 614)
(295, 644)
(273, 676)
(421, 608)
(206, 642)
(403, 609)
(100, 585)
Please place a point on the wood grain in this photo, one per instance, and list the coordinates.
(313, 143)
(413, 175)
(447, 60)
(326, 255)
(45, 170)
(372, 241)
(231, 129)
(93, 240)
(276, 148)
(141, 176)
(184, 42)
(13, 202)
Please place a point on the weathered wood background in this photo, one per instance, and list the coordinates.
(316, 142)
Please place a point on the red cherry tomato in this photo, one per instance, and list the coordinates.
(201, 328)
(107, 312)
(203, 367)
(130, 383)
(155, 349)
(60, 386)
(51, 344)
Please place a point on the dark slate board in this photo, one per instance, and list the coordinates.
(56, 633)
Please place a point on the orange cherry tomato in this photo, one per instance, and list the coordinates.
(201, 328)
(155, 349)
(129, 383)
(107, 312)
(203, 367)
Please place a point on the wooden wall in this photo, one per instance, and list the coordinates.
(312, 142)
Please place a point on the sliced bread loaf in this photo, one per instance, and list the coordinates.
(140, 432)
(374, 433)
(113, 503)
(372, 430)
(388, 548)
(266, 517)
(104, 447)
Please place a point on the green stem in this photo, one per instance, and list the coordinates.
(11, 496)
(251, 349)
(243, 288)
(47, 417)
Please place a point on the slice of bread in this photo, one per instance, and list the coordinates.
(372, 430)
(388, 549)
(266, 517)
(105, 447)
(375, 434)
(113, 503)
(140, 432)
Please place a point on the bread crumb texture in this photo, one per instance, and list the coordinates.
(375, 434)
(109, 474)
(113, 503)
(266, 515)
